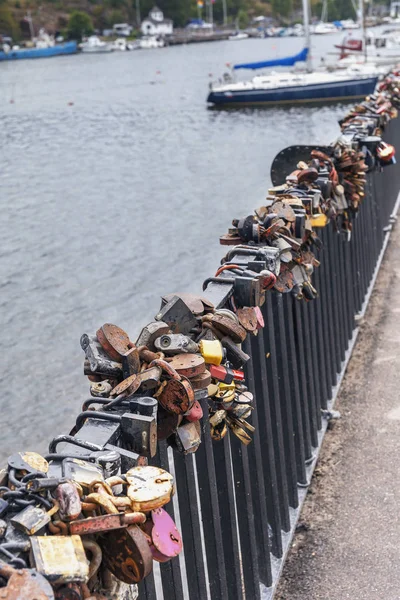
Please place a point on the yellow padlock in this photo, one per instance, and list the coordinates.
(319, 220)
(212, 351)
(226, 392)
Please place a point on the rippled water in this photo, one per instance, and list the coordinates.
(116, 198)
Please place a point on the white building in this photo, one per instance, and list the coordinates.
(122, 29)
(155, 24)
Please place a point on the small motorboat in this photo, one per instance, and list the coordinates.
(122, 45)
(238, 35)
(95, 44)
(324, 28)
(149, 42)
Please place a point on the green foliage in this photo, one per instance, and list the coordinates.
(243, 19)
(282, 8)
(79, 24)
(116, 16)
(116, 3)
(8, 25)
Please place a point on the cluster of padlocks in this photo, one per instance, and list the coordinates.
(328, 187)
(87, 520)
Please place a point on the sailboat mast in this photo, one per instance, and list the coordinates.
(307, 37)
(363, 30)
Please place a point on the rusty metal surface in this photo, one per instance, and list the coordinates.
(167, 423)
(97, 524)
(114, 340)
(177, 396)
(127, 555)
(202, 381)
(189, 365)
(131, 362)
(128, 386)
(25, 584)
(247, 318)
(229, 328)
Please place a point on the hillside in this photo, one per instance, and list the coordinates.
(53, 15)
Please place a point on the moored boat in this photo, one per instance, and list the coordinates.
(95, 44)
(294, 87)
(284, 88)
(38, 52)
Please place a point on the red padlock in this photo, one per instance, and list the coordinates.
(221, 373)
(195, 413)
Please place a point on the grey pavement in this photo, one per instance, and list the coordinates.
(347, 543)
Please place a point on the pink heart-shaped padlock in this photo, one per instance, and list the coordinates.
(167, 541)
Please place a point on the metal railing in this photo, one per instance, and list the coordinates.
(237, 506)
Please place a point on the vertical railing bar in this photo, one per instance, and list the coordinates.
(211, 513)
(287, 422)
(269, 333)
(320, 321)
(325, 328)
(318, 397)
(189, 515)
(170, 571)
(333, 286)
(293, 386)
(308, 354)
(246, 519)
(265, 461)
(229, 519)
(305, 399)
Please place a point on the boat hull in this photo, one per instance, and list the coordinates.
(22, 53)
(343, 90)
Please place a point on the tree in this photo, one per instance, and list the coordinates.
(79, 24)
(242, 19)
(283, 8)
(8, 24)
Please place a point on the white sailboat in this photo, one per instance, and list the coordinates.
(308, 86)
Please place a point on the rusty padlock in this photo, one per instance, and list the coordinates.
(175, 395)
(24, 584)
(126, 553)
(114, 340)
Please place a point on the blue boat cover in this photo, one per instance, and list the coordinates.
(289, 61)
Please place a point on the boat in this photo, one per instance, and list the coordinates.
(122, 45)
(151, 41)
(282, 88)
(95, 44)
(16, 52)
(324, 28)
(239, 35)
(378, 50)
(349, 24)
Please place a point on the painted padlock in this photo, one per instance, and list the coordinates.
(149, 488)
(176, 394)
(212, 351)
(165, 540)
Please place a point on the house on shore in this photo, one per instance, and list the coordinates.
(155, 24)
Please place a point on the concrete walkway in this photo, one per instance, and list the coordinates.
(348, 541)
